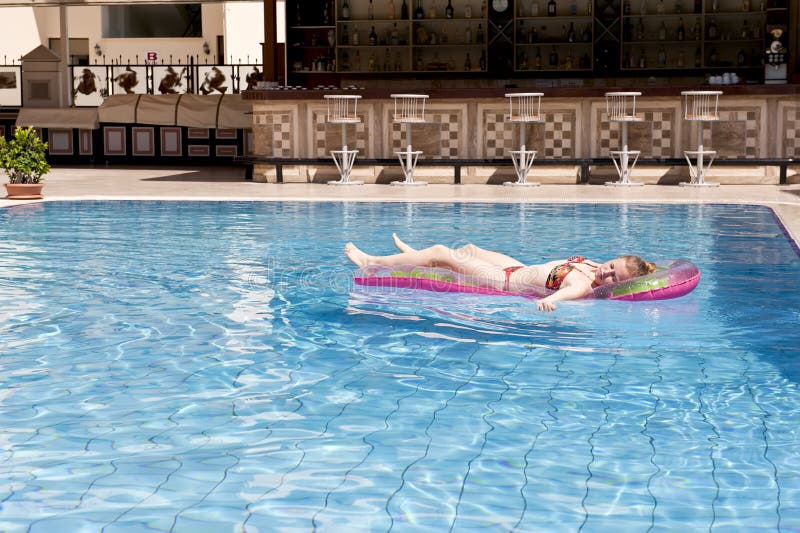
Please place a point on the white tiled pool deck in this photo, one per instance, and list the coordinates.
(220, 183)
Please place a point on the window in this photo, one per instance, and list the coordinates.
(152, 20)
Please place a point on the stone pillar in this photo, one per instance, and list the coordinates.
(65, 78)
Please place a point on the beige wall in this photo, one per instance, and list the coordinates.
(241, 23)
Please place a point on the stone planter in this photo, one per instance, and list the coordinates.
(24, 191)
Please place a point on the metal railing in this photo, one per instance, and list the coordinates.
(93, 83)
(11, 85)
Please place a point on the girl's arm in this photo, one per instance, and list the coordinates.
(569, 291)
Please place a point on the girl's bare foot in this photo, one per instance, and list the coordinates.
(403, 247)
(359, 258)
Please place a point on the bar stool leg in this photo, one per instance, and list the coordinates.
(408, 162)
(624, 167)
(523, 161)
(344, 160)
(697, 172)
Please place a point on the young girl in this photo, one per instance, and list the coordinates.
(570, 278)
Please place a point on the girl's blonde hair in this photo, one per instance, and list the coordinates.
(638, 266)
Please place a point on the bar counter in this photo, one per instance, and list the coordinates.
(755, 121)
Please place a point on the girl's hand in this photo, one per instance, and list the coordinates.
(544, 305)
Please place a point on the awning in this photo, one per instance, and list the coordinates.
(235, 112)
(198, 111)
(48, 117)
(119, 108)
(190, 110)
(157, 109)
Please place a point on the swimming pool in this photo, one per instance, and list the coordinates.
(209, 367)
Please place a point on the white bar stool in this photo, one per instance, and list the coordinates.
(523, 108)
(701, 107)
(621, 108)
(409, 109)
(342, 109)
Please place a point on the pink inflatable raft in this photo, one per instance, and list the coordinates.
(671, 280)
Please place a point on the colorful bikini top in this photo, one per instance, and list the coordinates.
(559, 272)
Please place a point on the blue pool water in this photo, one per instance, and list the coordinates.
(209, 367)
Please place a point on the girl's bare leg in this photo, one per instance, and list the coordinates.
(400, 245)
(469, 251)
(435, 256)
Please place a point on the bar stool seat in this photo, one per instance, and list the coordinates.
(523, 109)
(700, 107)
(621, 108)
(408, 109)
(342, 109)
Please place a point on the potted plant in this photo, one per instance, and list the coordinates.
(24, 159)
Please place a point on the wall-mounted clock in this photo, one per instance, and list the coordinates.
(500, 5)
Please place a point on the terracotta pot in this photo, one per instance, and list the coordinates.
(24, 191)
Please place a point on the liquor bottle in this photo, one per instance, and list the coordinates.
(390, 10)
(571, 33)
(696, 30)
(698, 6)
(553, 57)
(714, 5)
(643, 8)
(626, 7)
(419, 13)
(448, 11)
(681, 59)
(355, 38)
(660, 8)
(404, 11)
(642, 60)
(745, 5)
(589, 9)
(568, 63)
(370, 10)
(444, 39)
(479, 37)
(535, 8)
(551, 8)
(523, 61)
(681, 34)
(533, 35)
(357, 62)
(386, 60)
(584, 63)
(640, 31)
(345, 36)
(587, 33)
(678, 7)
(573, 7)
(468, 35)
(482, 60)
(326, 19)
(468, 11)
(394, 38)
(712, 58)
(373, 37)
(711, 30)
(741, 58)
(745, 30)
(662, 57)
(698, 58)
(537, 60)
(662, 32)
(345, 10)
(467, 63)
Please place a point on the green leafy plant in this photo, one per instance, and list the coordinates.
(24, 158)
